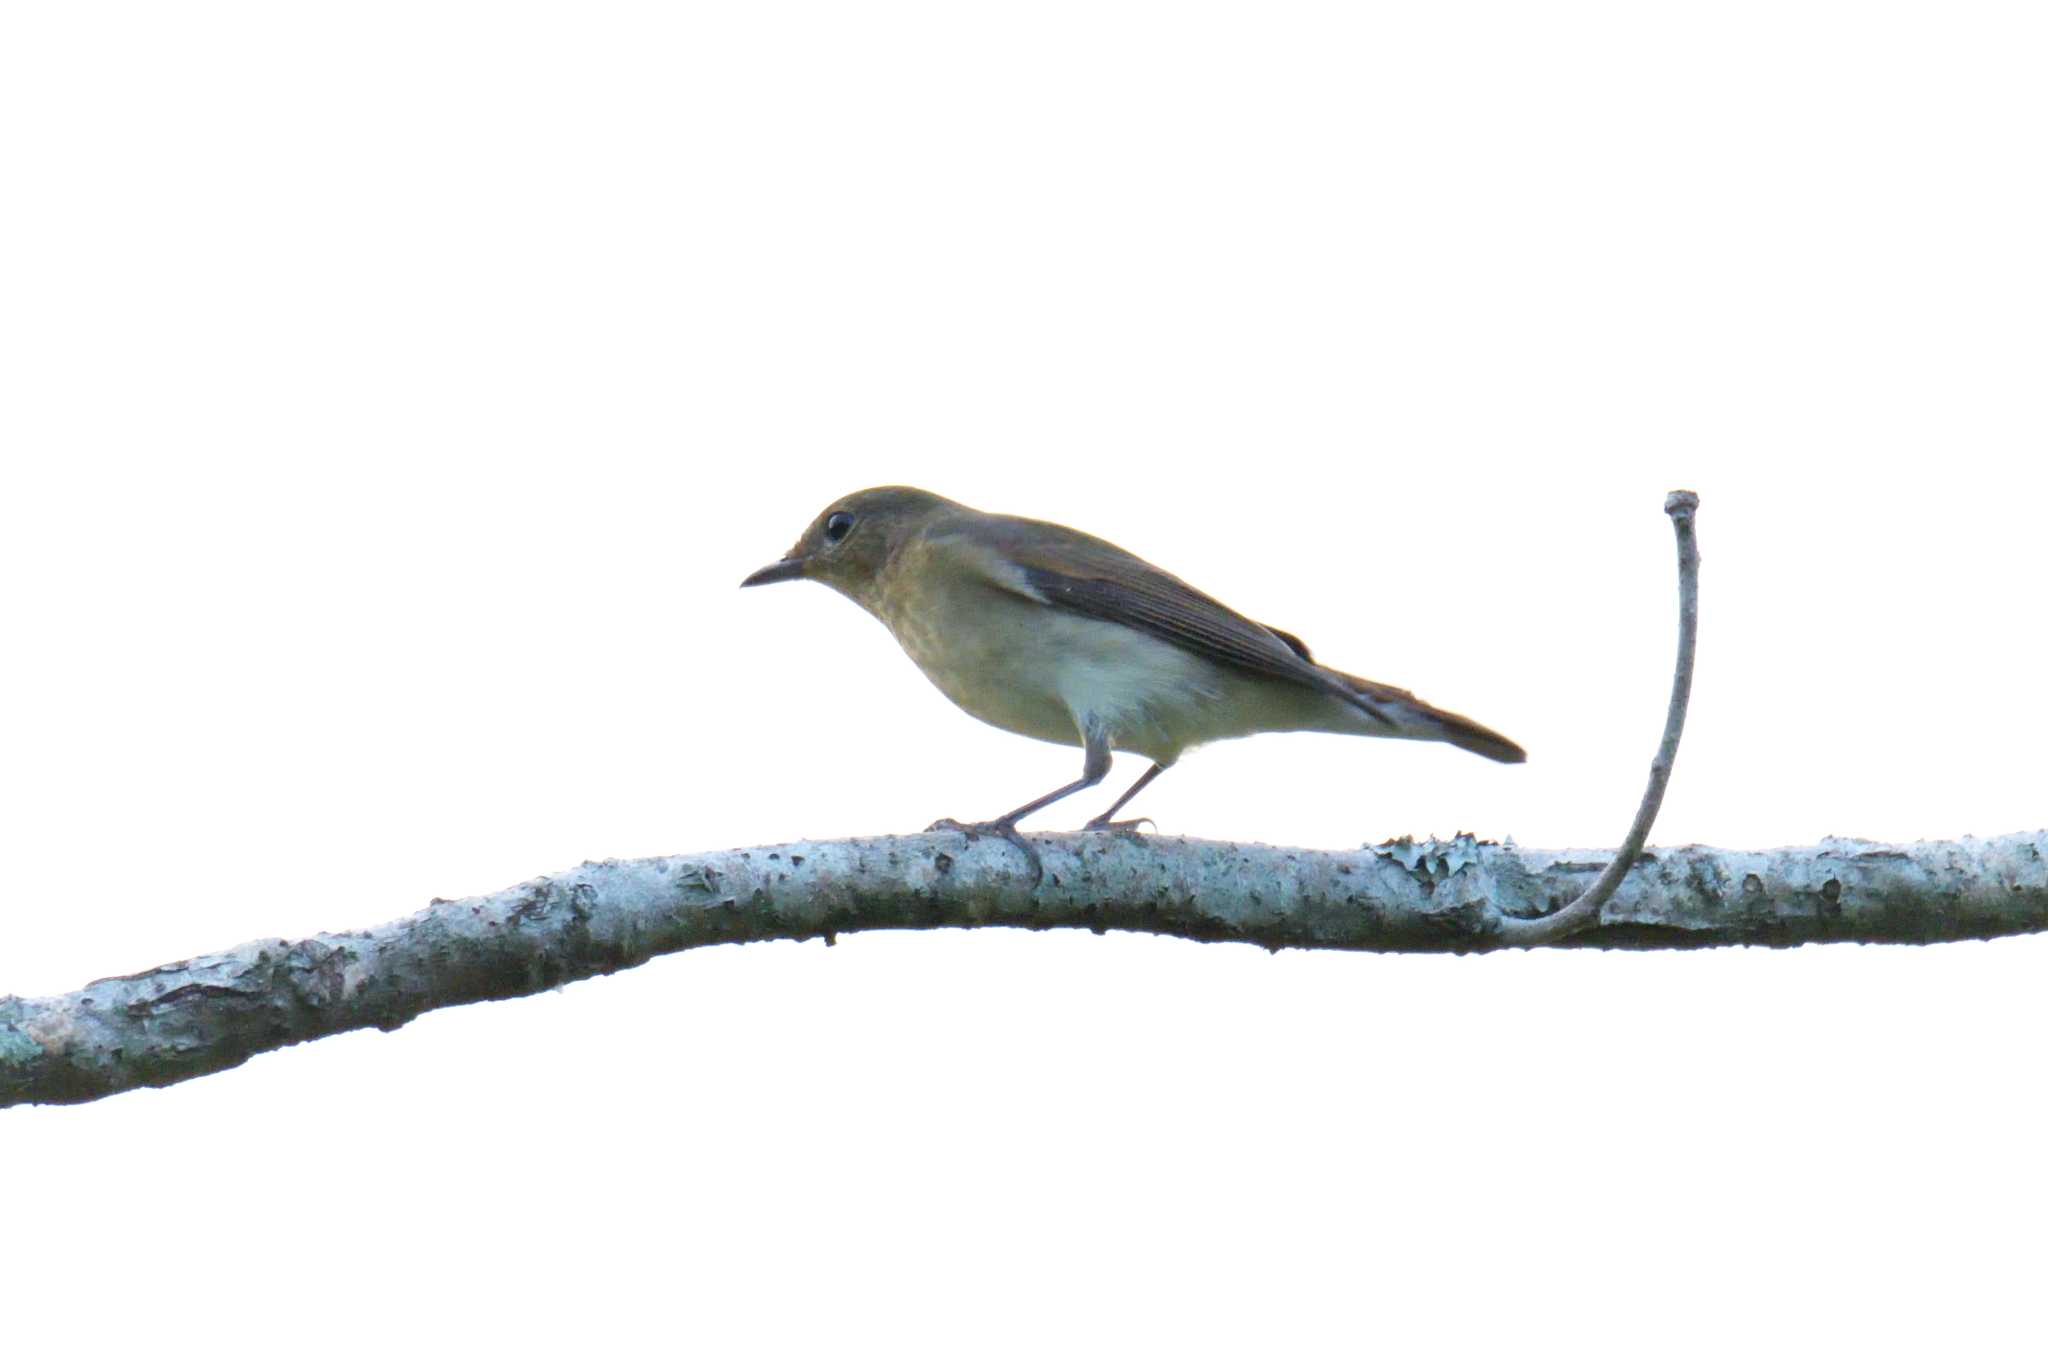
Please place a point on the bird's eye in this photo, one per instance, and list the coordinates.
(836, 527)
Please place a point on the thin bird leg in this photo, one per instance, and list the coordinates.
(1094, 767)
(1103, 820)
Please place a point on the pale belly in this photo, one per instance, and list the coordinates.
(998, 658)
(1035, 670)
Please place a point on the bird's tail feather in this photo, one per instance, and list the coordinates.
(1411, 717)
(1470, 735)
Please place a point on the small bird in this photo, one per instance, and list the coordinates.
(1049, 632)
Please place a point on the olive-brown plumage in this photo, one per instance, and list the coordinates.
(1053, 633)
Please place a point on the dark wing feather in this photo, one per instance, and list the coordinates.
(1091, 577)
(1293, 642)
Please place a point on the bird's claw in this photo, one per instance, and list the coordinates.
(1002, 830)
(1127, 828)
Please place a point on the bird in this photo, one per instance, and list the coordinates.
(1046, 631)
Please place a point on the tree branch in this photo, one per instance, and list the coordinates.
(190, 1018)
(1682, 506)
(186, 1019)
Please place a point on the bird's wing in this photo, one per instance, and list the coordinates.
(1076, 572)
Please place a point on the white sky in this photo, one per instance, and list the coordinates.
(396, 393)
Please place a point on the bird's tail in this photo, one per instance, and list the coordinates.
(1410, 717)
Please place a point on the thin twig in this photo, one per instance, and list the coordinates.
(1682, 507)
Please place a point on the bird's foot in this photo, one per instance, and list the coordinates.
(1127, 828)
(1003, 829)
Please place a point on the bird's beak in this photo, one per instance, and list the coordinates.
(781, 571)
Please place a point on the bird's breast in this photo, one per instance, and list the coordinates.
(988, 651)
(1037, 670)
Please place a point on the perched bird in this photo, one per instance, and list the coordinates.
(1049, 632)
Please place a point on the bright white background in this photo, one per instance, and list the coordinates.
(396, 393)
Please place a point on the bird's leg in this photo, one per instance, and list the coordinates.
(1103, 821)
(1094, 767)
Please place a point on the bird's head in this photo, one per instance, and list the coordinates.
(851, 541)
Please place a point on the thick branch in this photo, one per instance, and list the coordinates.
(190, 1018)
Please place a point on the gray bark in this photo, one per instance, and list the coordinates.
(189, 1018)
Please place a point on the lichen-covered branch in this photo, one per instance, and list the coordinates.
(189, 1018)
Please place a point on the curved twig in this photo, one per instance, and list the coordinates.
(1681, 506)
